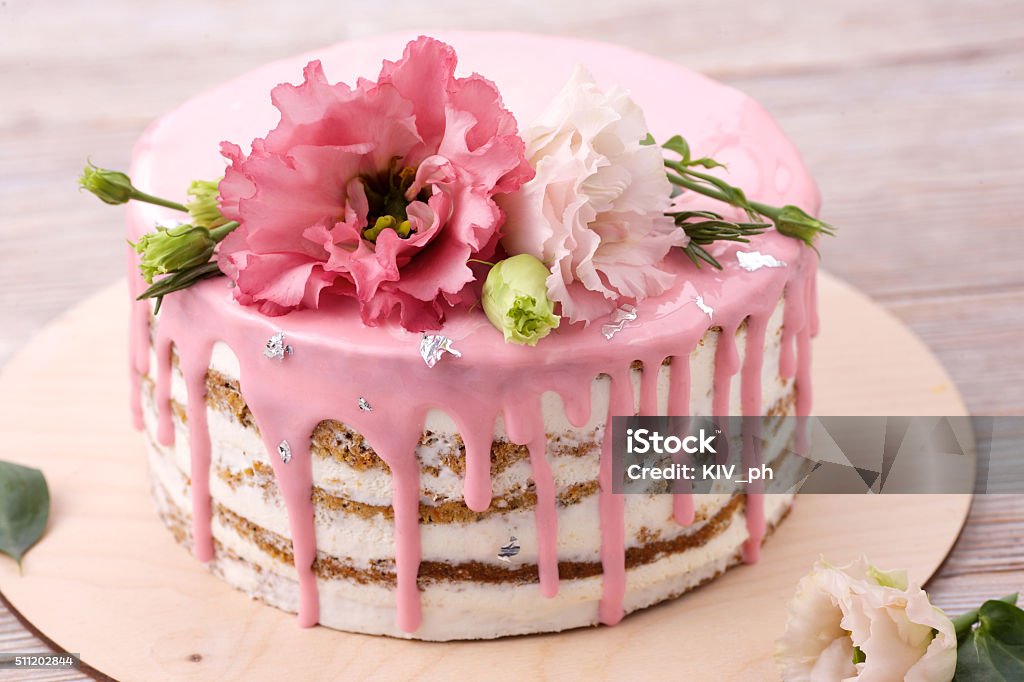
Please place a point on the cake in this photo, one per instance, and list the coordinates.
(400, 468)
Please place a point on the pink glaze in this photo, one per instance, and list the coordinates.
(337, 360)
(750, 404)
(679, 405)
(612, 508)
(524, 424)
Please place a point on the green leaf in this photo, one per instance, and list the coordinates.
(696, 253)
(24, 508)
(995, 649)
(965, 621)
(182, 279)
(707, 162)
(677, 144)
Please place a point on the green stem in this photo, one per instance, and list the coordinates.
(150, 199)
(218, 233)
(964, 622)
(770, 212)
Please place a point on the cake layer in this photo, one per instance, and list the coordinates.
(362, 536)
(459, 605)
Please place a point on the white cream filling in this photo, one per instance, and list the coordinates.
(461, 610)
(363, 541)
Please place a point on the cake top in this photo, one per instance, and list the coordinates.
(545, 157)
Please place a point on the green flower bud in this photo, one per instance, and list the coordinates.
(515, 298)
(793, 221)
(173, 249)
(204, 209)
(112, 187)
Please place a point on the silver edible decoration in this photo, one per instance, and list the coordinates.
(621, 316)
(434, 346)
(285, 450)
(506, 552)
(705, 308)
(365, 405)
(755, 260)
(276, 348)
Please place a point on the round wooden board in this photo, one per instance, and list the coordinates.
(109, 582)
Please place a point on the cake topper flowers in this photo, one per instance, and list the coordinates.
(384, 192)
(599, 210)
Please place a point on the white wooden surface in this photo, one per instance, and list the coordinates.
(907, 113)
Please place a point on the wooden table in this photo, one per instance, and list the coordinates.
(907, 113)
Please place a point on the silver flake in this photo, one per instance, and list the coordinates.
(705, 308)
(506, 552)
(365, 405)
(285, 451)
(752, 261)
(434, 346)
(276, 348)
(620, 317)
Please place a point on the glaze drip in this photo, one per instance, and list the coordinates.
(613, 509)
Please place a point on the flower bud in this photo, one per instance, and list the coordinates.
(112, 187)
(793, 221)
(204, 208)
(515, 299)
(173, 249)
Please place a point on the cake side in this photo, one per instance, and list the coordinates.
(461, 570)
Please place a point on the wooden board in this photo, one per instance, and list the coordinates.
(109, 582)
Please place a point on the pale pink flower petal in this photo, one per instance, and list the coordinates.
(595, 210)
(900, 634)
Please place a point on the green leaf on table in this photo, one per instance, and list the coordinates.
(995, 649)
(965, 622)
(24, 508)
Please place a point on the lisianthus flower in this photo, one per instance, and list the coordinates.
(856, 622)
(381, 192)
(515, 300)
(595, 211)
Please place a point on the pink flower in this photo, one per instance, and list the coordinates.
(380, 192)
(595, 212)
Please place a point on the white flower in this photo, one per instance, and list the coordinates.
(899, 634)
(595, 212)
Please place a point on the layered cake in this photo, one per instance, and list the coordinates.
(370, 410)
